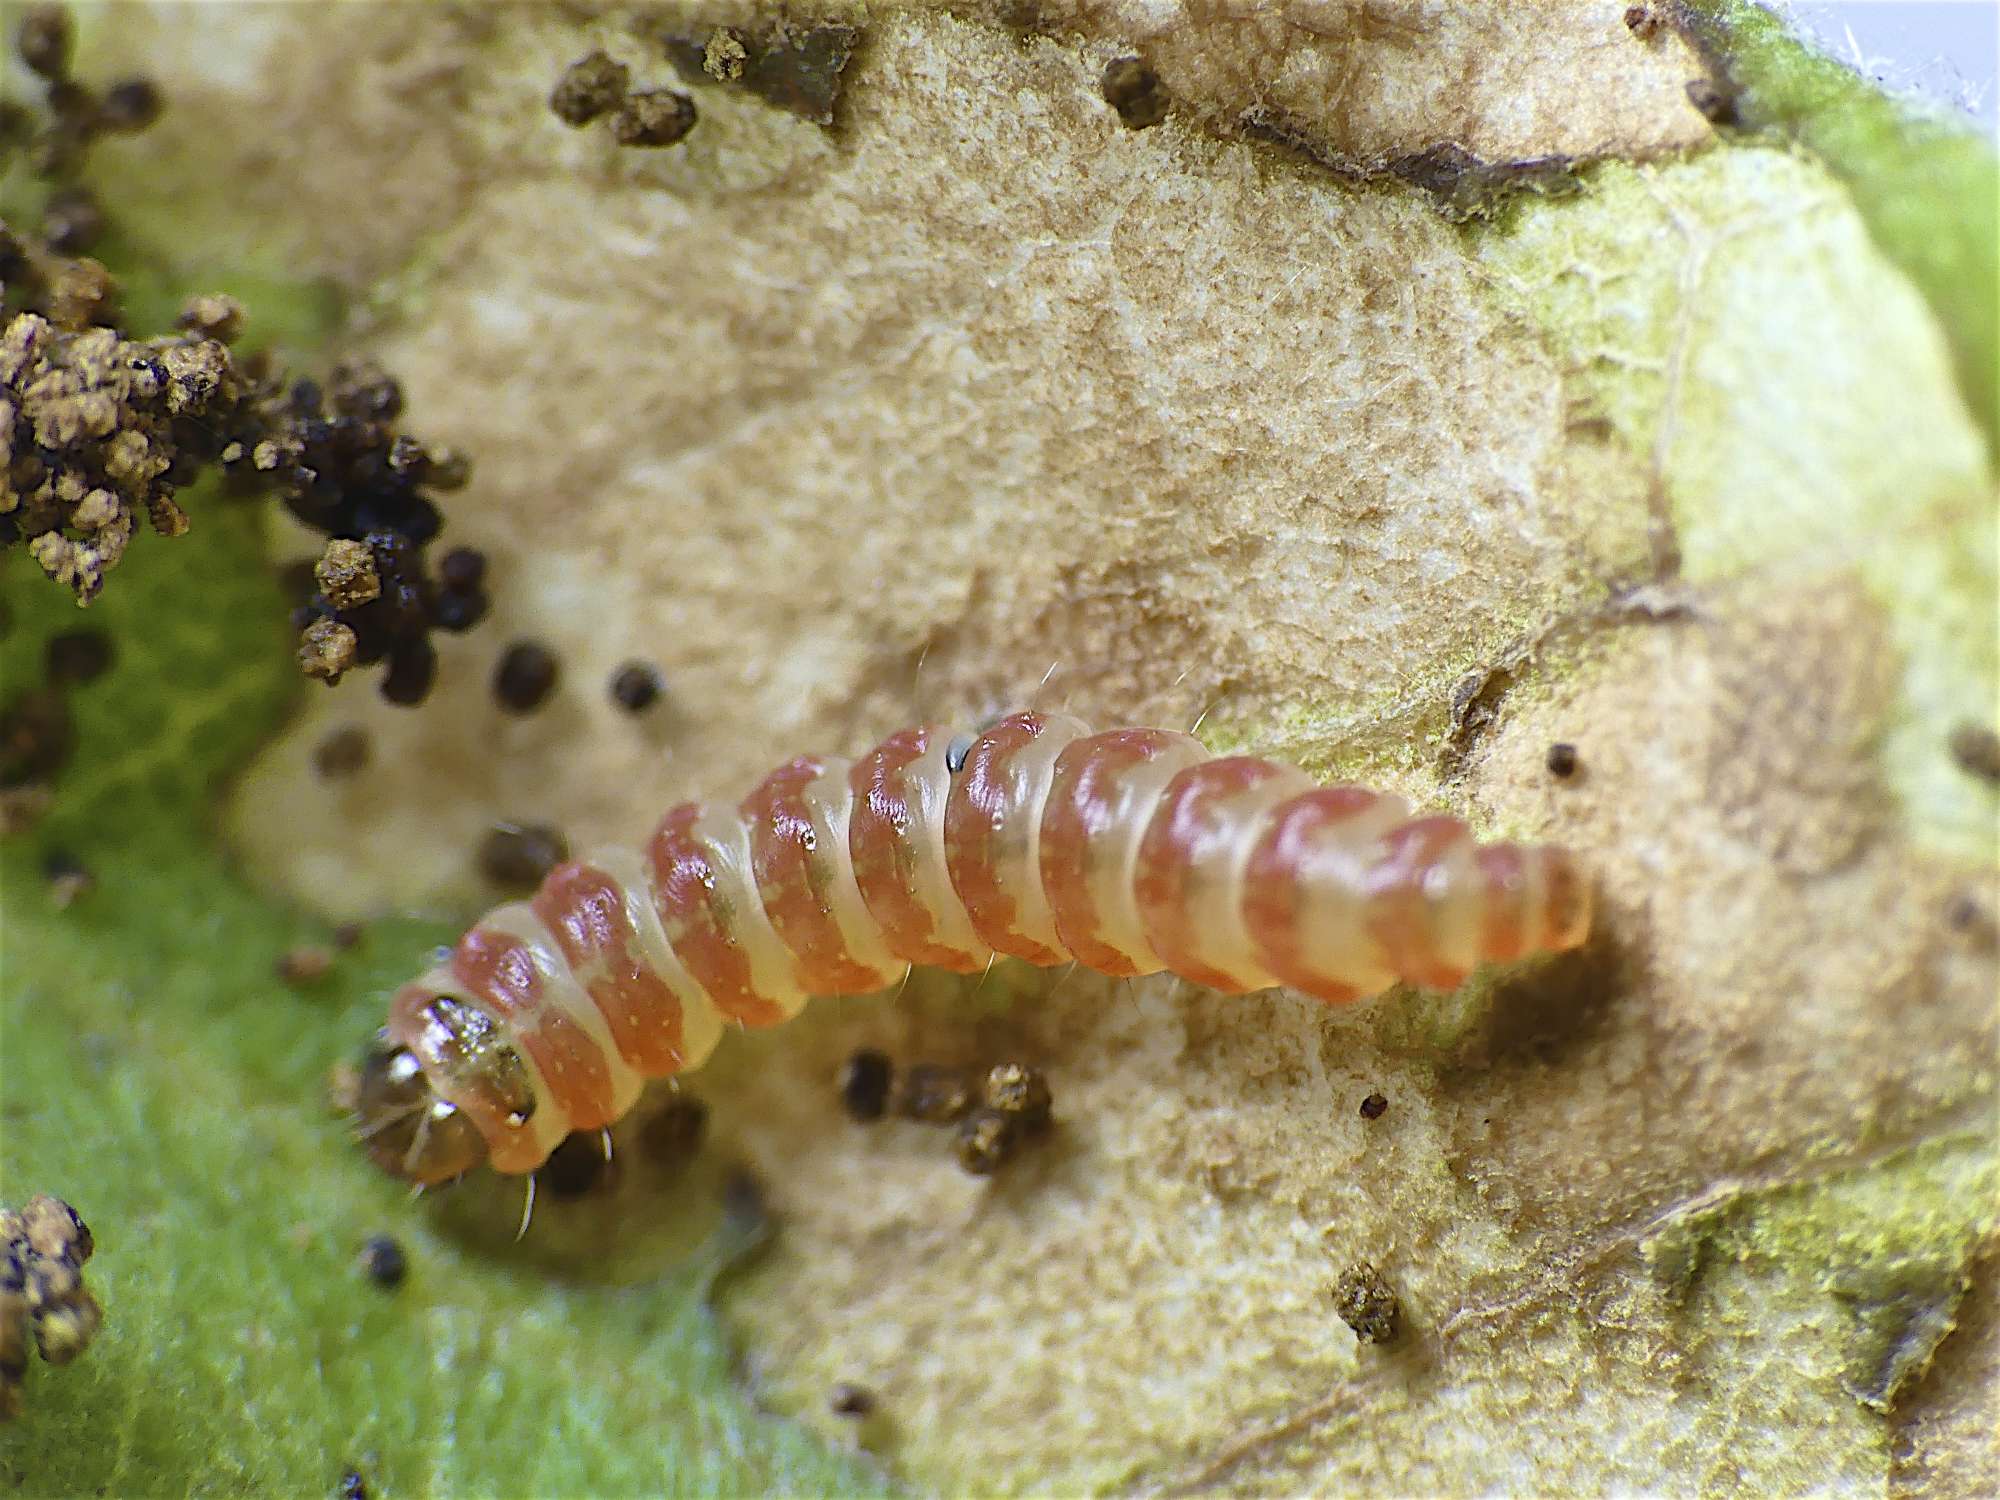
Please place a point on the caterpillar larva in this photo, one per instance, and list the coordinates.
(1129, 851)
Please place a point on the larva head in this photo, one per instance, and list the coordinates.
(407, 1128)
(442, 1090)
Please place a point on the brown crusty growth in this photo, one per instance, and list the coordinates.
(43, 1246)
(1367, 1304)
(794, 66)
(92, 427)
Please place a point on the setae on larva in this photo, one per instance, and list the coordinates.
(1129, 851)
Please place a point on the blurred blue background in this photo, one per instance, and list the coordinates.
(1947, 50)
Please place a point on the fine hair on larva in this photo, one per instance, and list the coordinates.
(1128, 851)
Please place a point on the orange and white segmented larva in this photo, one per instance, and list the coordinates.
(1129, 851)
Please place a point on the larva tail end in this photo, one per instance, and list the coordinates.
(1566, 901)
(405, 1126)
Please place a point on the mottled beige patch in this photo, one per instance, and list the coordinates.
(1800, 707)
(846, 434)
(340, 149)
(1726, 317)
(1364, 82)
(1772, 1008)
(1153, 1290)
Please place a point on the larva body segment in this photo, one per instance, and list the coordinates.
(799, 819)
(1190, 873)
(896, 843)
(1100, 802)
(1129, 851)
(993, 833)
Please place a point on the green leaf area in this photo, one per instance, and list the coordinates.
(156, 1074)
(1922, 178)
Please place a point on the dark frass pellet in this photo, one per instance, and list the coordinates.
(520, 855)
(576, 1165)
(77, 656)
(1966, 916)
(37, 737)
(342, 752)
(44, 40)
(446, 468)
(847, 1399)
(352, 1486)
(1366, 1303)
(462, 570)
(1373, 1107)
(865, 1081)
(130, 104)
(636, 686)
(985, 1140)
(652, 117)
(458, 612)
(1020, 1092)
(1976, 749)
(1643, 21)
(1561, 760)
(459, 601)
(412, 670)
(382, 1260)
(591, 86)
(1133, 89)
(525, 677)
